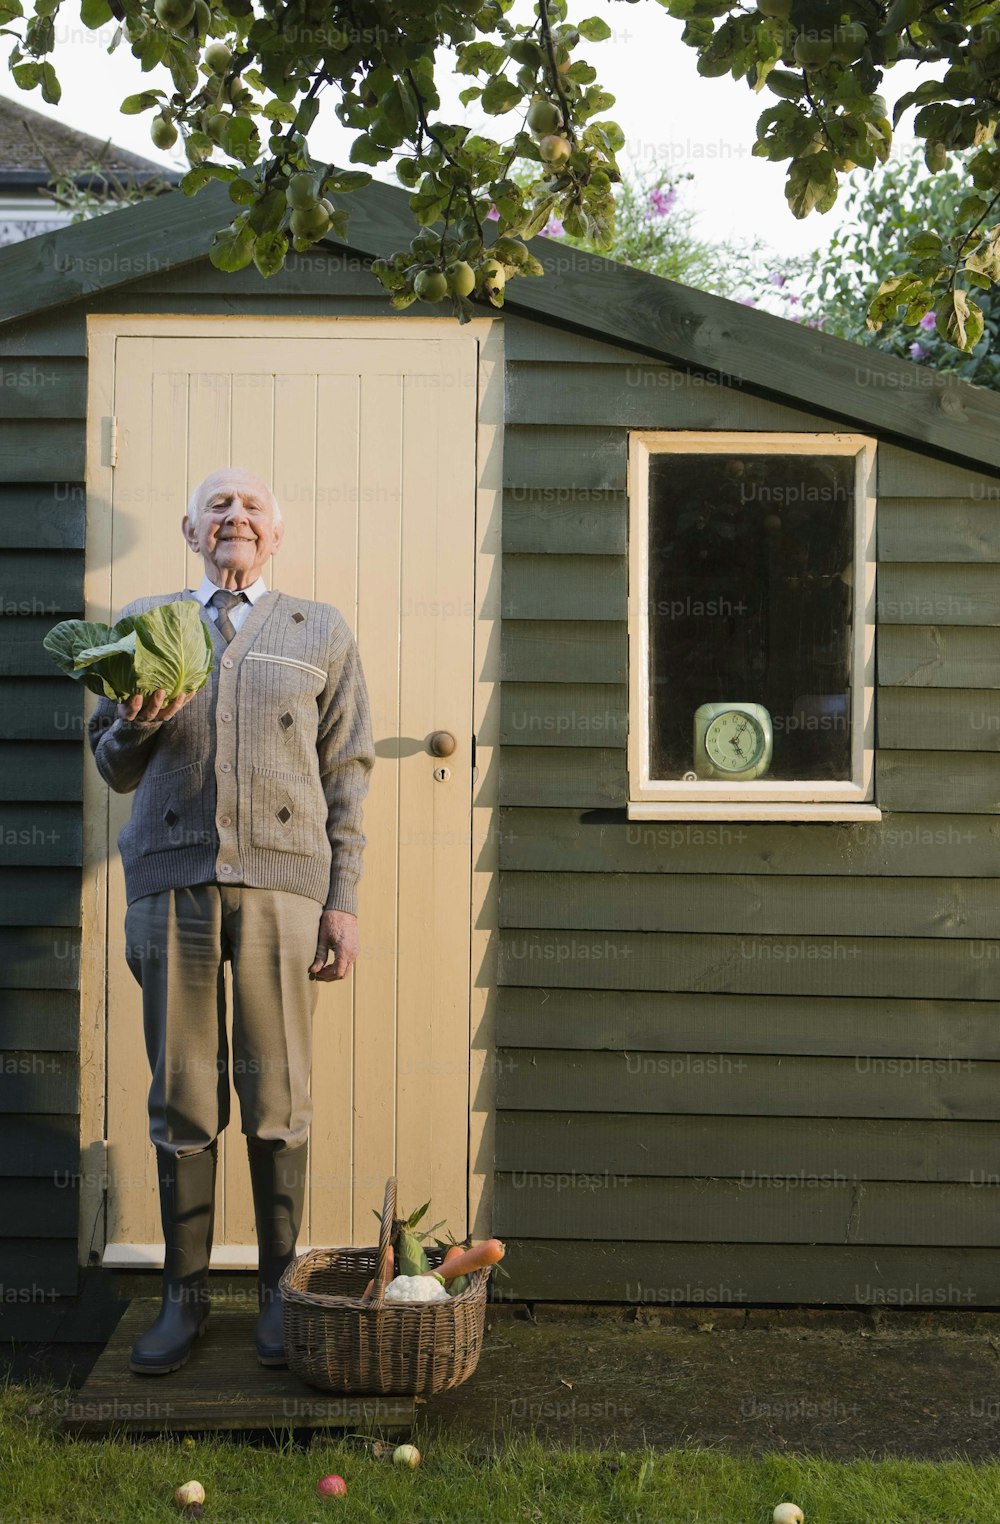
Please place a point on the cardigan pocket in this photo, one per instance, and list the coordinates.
(283, 811)
(176, 811)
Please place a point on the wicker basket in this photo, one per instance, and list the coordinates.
(338, 1340)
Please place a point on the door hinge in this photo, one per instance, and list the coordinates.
(110, 441)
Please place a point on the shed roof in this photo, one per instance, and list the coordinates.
(24, 133)
(582, 293)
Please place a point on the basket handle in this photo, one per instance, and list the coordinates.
(377, 1297)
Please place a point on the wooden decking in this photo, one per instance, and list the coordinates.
(221, 1387)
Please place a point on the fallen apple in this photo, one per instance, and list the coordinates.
(331, 1487)
(788, 1513)
(406, 1455)
(189, 1495)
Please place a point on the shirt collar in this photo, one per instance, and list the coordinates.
(204, 592)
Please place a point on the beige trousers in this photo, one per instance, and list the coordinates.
(176, 943)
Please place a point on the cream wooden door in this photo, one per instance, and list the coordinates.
(370, 446)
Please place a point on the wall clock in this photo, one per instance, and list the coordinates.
(732, 740)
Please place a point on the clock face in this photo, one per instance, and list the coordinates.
(734, 741)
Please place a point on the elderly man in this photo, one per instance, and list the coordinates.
(244, 845)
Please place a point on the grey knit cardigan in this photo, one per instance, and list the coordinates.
(260, 779)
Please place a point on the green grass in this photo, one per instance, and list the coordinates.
(476, 1479)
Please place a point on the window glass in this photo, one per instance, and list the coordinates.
(751, 600)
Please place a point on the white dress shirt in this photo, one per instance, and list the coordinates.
(239, 611)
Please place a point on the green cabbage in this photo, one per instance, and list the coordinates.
(168, 647)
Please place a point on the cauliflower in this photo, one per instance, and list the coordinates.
(416, 1288)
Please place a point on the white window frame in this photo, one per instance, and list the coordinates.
(764, 798)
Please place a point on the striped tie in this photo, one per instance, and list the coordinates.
(224, 601)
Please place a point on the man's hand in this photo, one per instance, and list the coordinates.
(338, 933)
(152, 707)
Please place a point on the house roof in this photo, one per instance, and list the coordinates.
(582, 293)
(24, 133)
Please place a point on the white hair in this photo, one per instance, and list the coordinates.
(196, 500)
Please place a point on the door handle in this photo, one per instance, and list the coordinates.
(441, 743)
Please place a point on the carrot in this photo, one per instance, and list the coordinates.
(476, 1258)
(459, 1282)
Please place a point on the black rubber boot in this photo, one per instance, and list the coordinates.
(278, 1180)
(187, 1202)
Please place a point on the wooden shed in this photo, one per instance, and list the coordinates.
(677, 1027)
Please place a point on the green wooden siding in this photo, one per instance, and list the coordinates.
(42, 533)
(770, 1047)
(734, 1055)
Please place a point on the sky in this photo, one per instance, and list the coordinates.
(671, 117)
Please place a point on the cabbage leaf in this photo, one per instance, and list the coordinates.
(168, 647)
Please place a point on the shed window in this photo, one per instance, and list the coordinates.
(751, 625)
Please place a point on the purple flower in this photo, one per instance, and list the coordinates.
(493, 215)
(777, 280)
(748, 301)
(918, 352)
(552, 229)
(928, 321)
(662, 200)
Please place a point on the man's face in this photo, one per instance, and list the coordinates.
(235, 532)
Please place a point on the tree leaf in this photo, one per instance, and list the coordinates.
(594, 29)
(269, 213)
(279, 111)
(306, 114)
(133, 104)
(240, 140)
(810, 182)
(196, 178)
(365, 151)
(95, 13)
(241, 191)
(342, 181)
(27, 75)
(151, 49)
(51, 88)
(269, 253)
(501, 95)
(232, 248)
(959, 320)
